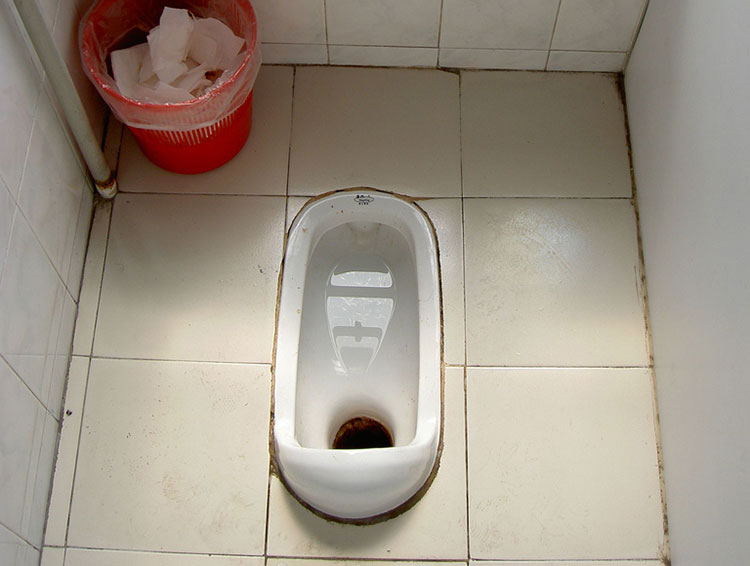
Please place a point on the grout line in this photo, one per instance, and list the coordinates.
(439, 39)
(325, 28)
(289, 149)
(21, 537)
(556, 367)
(111, 213)
(547, 197)
(466, 462)
(552, 36)
(159, 551)
(198, 194)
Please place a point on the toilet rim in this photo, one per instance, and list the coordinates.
(429, 432)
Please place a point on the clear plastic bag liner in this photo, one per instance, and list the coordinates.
(111, 24)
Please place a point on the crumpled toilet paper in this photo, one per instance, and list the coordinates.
(184, 57)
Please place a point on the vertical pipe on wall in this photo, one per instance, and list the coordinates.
(62, 84)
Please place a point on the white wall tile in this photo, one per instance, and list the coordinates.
(52, 186)
(383, 56)
(586, 61)
(287, 53)
(31, 301)
(52, 556)
(291, 21)
(499, 24)
(597, 25)
(16, 552)
(19, 90)
(18, 420)
(40, 478)
(492, 59)
(61, 357)
(7, 209)
(80, 243)
(402, 23)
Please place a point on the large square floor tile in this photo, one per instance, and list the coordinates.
(173, 457)
(391, 129)
(553, 282)
(435, 528)
(543, 134)
(260, 168)
(191, 277)
(562, 464)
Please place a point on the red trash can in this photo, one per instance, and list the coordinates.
(185, 137)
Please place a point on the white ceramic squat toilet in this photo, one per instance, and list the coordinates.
(358, 365)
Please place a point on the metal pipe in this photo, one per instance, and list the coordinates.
(67, 95)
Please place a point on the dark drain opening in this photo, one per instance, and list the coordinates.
(362, 432)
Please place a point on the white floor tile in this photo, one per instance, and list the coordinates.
(333, 562)
(260, 168)
(434, 528)
(553, 282)
(173, 457)
(191, 277)
(91, 283)
(538, 134)
(562, 464)
(446, 216)
(52, 556)
(81, 557)
(62, 484)
(391, 129)
(567, 563)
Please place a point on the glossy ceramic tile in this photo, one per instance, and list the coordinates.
(498, 24)
(20, 87)
(291, 21)
(40, 478)
(392, 129)
(462, 58)
(61, 354)
(62, 484)
(538, 134)
(201, 286)
(31, 300)
(7, 210)
(19, 418)
(74, 272)
(447, 218)
(553, 282)
(189, 471)
(333, 562)
(399, 23)
(88, 301)
(597, 25)
(15, 551)
(289, 53)
(586, 61)
(569, 470)
(260, 168)
(382, 56)
(434, 528)
(52, 187)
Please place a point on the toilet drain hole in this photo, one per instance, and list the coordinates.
(361, 433)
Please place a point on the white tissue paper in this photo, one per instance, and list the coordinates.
(184, 57)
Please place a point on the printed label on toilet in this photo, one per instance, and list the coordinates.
(364, 200)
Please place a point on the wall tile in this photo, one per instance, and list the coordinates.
(492, 59)
(78, 253)
(287, 53)
(16, 552)
(383, 56)
(7, 209)
(52, 186)
(403, 23)
(586, 61)
(19, 90)
(31, 301)
(597, 25)
(40, 478)
(291, 21)
(499, 24)
(18, 419)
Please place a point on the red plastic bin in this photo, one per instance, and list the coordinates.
(185, 137)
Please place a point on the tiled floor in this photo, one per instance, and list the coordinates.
(550, 450)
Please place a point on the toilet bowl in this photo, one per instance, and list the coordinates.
(358, 362)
